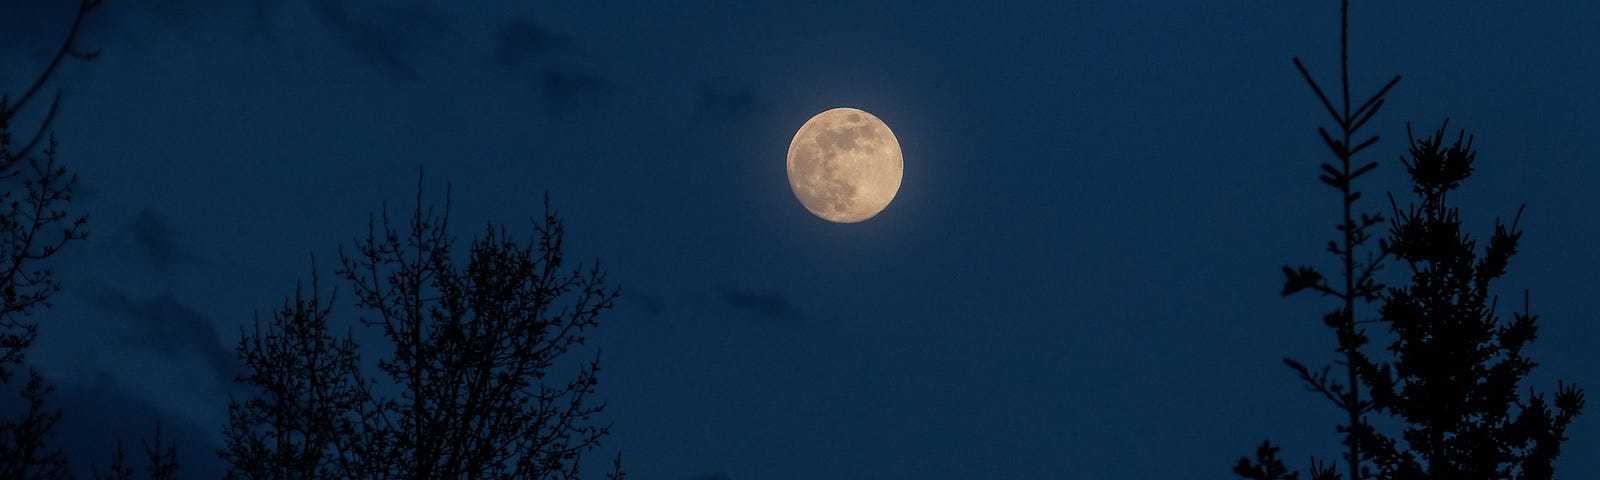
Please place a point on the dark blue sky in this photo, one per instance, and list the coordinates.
(1077, 279)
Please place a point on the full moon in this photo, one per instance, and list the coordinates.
(845, 165)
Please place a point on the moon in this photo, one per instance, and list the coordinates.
(845, 165)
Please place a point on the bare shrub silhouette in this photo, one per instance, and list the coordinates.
(467, 381)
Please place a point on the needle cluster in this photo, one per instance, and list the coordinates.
(1450, 370)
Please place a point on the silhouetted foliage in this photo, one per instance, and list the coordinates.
(1457, 368)
(467, 381)
(25, 450)
(314, 415)
(1266, 466)
(34, 225)
(1453, 370)
(161, 462)
(1355, 284)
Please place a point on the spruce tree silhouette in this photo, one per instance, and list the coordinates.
(467, 385)
(1457, 368)
(1356, 284)
(1453, 370)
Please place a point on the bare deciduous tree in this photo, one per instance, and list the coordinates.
(34, 221)
(467, 385)
(35, 190)
(161, 462)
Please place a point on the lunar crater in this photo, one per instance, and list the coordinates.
(845, 165)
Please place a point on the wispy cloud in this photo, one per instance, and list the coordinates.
(388, 35)
(99, 414)
(725, 100)
(155, 235)
(652, 305)
(520, 40)
(567, 89)
(553, 60)
(163, 324)
(768, 304)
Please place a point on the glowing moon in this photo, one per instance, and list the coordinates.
(845, 165)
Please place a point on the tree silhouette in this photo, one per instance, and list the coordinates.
(34, 225)
(1457, 368)
(1453, 369)
(25, 450)
(34, 222)
(466, 386)
(162, 462)
(1356, 284)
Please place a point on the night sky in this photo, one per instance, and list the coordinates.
(1078, 278)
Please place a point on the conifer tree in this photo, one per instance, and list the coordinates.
(1355, 284)
(1451, 369)
(1457, 367)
